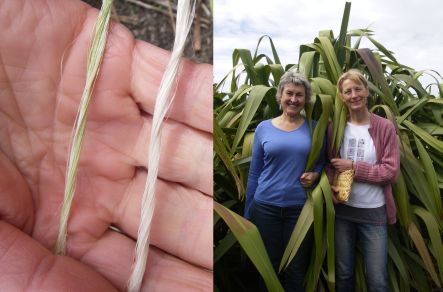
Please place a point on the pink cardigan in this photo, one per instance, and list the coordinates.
(385, 171)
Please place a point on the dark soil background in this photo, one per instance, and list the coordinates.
(154, 21)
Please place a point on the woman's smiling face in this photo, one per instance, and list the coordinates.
(354, 95)
(293, 99)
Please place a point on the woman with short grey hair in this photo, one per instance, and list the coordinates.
(277, 179)
(296, 79)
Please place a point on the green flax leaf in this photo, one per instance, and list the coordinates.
(250, 240)
(253, 102)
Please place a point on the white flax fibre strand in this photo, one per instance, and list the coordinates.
(95, 56)
(185, 15)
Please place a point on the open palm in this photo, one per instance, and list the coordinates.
(43, 52)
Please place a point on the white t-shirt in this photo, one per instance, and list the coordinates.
(358, 146)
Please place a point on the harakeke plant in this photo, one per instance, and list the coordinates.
(415, 241)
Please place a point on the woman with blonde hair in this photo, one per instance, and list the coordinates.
(370, 149)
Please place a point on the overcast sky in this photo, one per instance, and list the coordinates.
(410, 28)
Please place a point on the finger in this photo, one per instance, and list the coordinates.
(25, 265)
(112, 256)
(305, 183)
(334, 199)
(180, 225)
(185, 157)
(16, 204)
(193, 100)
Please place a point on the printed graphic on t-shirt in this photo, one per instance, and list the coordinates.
(351, 148)
(359, 146)
(361, 150)
(354, 147)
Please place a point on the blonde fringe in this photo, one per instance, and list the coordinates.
(95, 57)
(185, 15)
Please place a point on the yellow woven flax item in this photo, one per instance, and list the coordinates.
(343, 181)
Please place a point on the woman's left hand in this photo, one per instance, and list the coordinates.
(308, 178)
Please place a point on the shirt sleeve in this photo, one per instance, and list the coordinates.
(255, 170)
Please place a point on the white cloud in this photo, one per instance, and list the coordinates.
(409, 28)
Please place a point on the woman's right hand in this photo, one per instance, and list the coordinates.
(342, 164)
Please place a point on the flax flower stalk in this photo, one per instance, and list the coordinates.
(185, 15)
(95, 57)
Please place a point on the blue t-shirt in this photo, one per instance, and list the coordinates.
(278, 160)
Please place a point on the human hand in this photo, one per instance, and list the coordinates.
(342, 164)
(335, 191)
(308, 178)
(43, 53)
